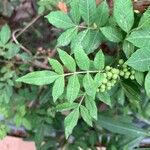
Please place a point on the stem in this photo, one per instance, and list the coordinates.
(84, 27)
(26, 27)
(81, 72)
(81, 100)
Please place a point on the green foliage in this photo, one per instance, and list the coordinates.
(125, 18)
(39, 77)
(97, 83)
(60, 20)
(71, 121)
(117, 126)
(147, 85)
(75, 15)
(102, 10)
(139, 60)
(128, 48)
(81, 58)
(88, 11)
(99, 61)
(73, 88)
(5, 34)
(140, 38)
(67, 60)
(112, 34)
(144, 21)
(58, 88)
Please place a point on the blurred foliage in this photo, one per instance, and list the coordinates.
(32, 107)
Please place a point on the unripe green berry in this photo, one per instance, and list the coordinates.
(109, 75)
(126, 77)
(127, 73)
(109, 84)
(113, 82)
(133, 71)
(105, 75)
(108, 68)
(105, 81)
(125, 70)
(115, 71)
(132, 77)
(124, 66)
(102, 90)
(115, 76)
(97, 90)
(121, 73)
(121, 61)
(103, 86)
(109, 88)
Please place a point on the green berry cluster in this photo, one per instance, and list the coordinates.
(111, 76)
(126, 71)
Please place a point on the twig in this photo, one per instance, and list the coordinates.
(40, 64)
(29, 24)
(22, 47)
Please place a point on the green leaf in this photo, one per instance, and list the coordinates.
(39, 77)
(5, 34)
(5, 95)
(147, 84)
(102, 10)
(39, 136)
(112, 34)
(87, 9)
(145, 20)
(140, 38)
(74, 13)
(66, 106)
(129, 143)
(66, 37)
(139, 76)
(89, 39)
(128, 48)
(13, 49)
(121, 96)
(131, 90)
(73, 88)
(89, 85)
(98, 79)
(26, 124)
(71, 121)
(91, 106)
(123, 14)
(140, 60)
(56, 66)
(81, 57)
(78, 39)
(18, 120)
(67, 60)
(99, 60)
(85, 115)
(60, 19)
(117, 126)
(58, 88)
(105, 98)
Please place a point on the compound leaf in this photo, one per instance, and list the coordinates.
(39, 77)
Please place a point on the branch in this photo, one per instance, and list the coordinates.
(21, 46)
(29, 24)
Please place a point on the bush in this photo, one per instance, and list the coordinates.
(97, 88)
